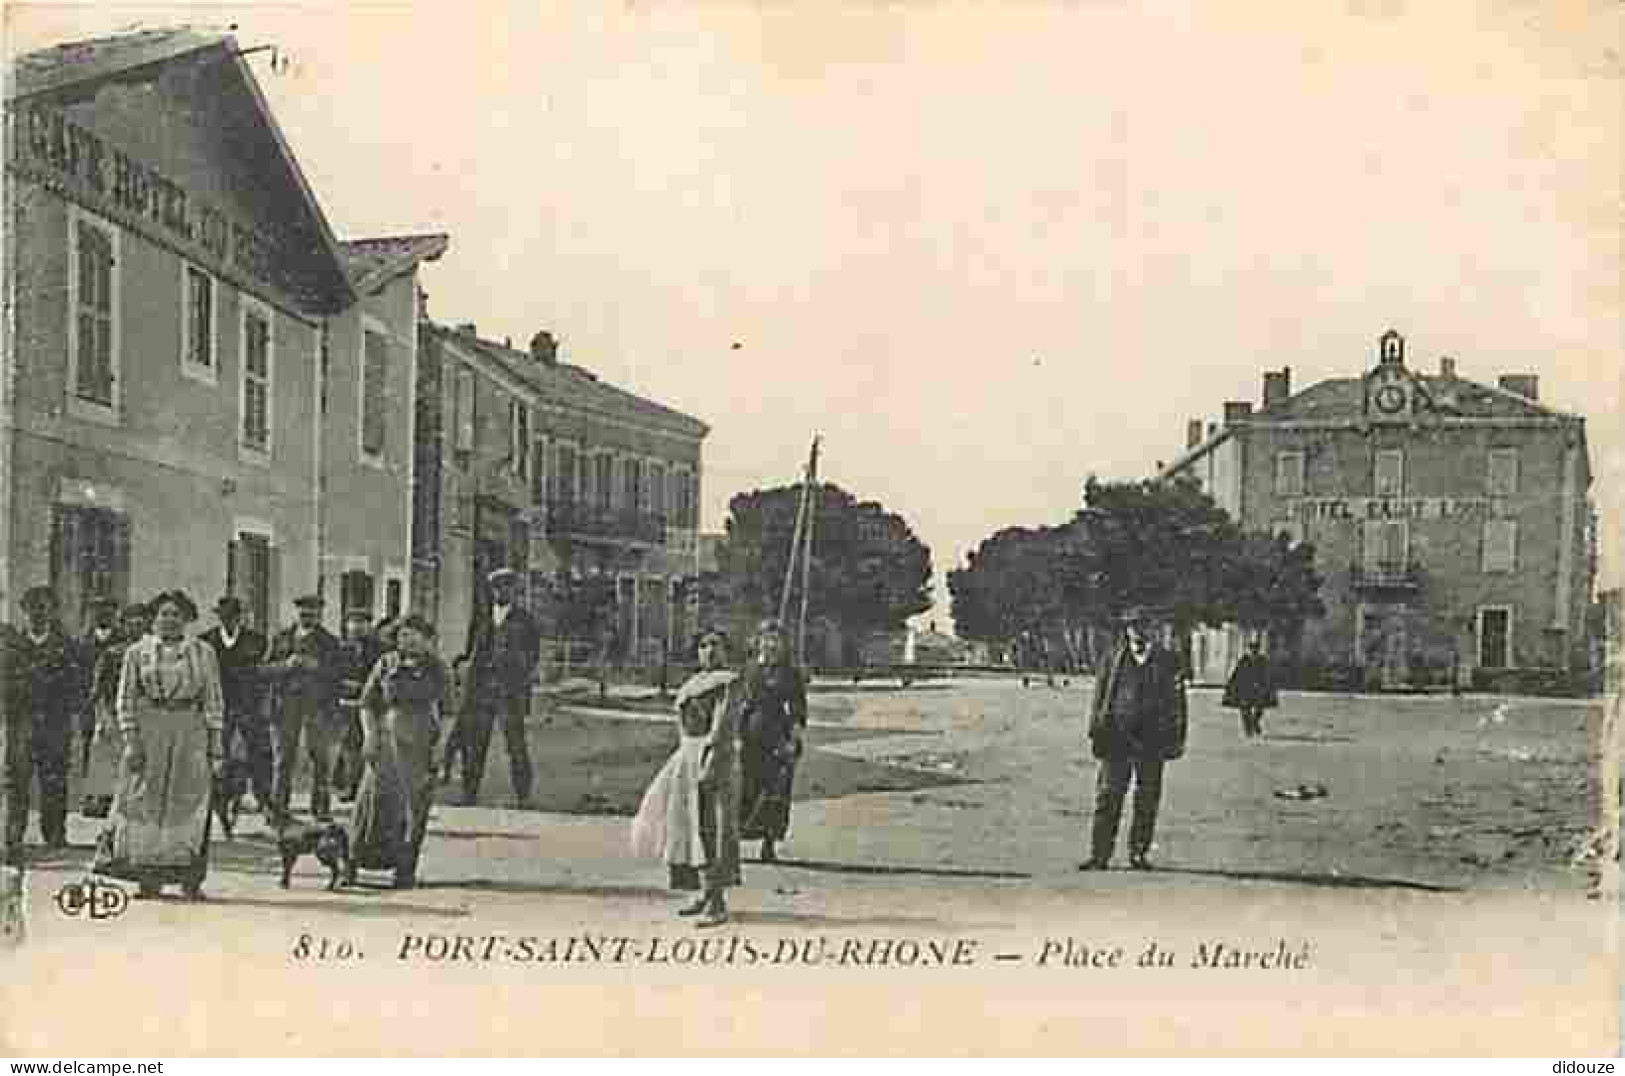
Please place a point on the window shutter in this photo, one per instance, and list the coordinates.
(235, 575)
(375, 355)
(119, 568)
(1500, 545)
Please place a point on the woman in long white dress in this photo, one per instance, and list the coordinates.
(689, 817)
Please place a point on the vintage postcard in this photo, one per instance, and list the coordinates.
(814, 528)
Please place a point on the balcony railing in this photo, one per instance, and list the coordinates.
(590, 522)
(1387, 575)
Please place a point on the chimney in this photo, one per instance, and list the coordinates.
(1277, 385)
(1447, 366)
(1193, 433)
(1236, 411)
(1212, 428)
(544, 348)
(1525, 385)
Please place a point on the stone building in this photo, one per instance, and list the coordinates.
(193, 366)
(529, 462)
(1451, 520)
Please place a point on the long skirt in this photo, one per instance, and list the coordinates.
(766, 778)
(689, 826)
(396, 790)
(158, 833)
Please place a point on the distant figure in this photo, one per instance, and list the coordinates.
(303, 662)
(43, 706)
(1138, 723)
(1251, 689)
(359, 650)
(501, 656)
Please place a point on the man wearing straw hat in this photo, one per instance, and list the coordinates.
(1137, 724)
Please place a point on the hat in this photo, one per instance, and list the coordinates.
(358, 613)
(104, 602)
(39, 598)
(229, 603)
(1139, 614)
(309, 601)
(501, 574)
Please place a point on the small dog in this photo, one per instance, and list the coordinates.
(330, 844)
(230, 785)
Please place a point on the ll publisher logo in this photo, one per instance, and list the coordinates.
(92, 899)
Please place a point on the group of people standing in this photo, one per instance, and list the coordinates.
(740, 735)
(161, 715)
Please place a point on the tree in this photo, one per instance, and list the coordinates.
(869, 570)
(1022, 591)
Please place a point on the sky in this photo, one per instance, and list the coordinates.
(984, 250)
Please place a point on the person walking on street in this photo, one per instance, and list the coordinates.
(303, 664)
(1137, 724)
(239, 651)
(772, 725)
(106, 741)
(501, 658)
(359, 650)
(689, 815)
(102, 634)
(45, 697)
(1251, 689)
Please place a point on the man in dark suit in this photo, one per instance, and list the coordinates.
(1137, 724)
(102, 636)
(45, 697)
(239, 650)
(502, 653)
(304, 665)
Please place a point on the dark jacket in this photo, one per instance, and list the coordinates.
(775, 704)
(48, 681)
(356, 659)
(315, 676)
(1161, 732)
(1251, 684)
(502, 659)
(91, 652)
(242, 681)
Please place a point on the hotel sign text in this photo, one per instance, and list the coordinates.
(109, 175)
(1355, 509)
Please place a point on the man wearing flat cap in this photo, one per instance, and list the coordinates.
(44, 699)
(1137, 723)
(238, 651)
(503, 649)
(303, 666)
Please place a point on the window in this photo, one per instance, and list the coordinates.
(90, 559)
(675, 487)
(463, 410)
(1495, 637)
(1389, 473)
(1289, 474)
(657, 489)
(256, 394)
(355, 592)
(197, 324)
(1503, 472)
(691, 516)
(1385, 546)
(633, 497)
(519, 439)
(604, 481)
(93, 349)
(564, 474)
(374, 393)
(540, 493)
(250, 571)
(1500, 545)
(392, 598)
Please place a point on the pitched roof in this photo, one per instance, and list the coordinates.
(573, 385)
(372, 263)
(103, 57)
(68, 68)
(1344, 398)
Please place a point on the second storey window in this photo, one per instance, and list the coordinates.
(519, 438)
(1500, 545)
(603, 483)
(1503, 476)
(374, 395)
(657, 489)
(256, 397)
(197, 354)
(633, 501)
(1289, 474)
(564, 474)
(462, 410)
(95, 281)
(1389, 473)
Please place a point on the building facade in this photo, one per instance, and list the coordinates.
(527, 462)
(1451, 520)
(178, 324)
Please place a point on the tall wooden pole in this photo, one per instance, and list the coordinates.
(806, 554)
(795, 549)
